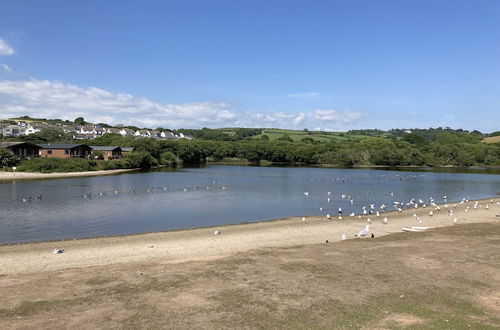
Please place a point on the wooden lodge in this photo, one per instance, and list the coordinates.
(65, 150)
(110, 152)
(23, 150)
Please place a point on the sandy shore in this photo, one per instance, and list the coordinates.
(37, 175)
(201, 244)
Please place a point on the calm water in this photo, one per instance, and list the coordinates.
(214, 195)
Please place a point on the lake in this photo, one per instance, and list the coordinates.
(170, 199)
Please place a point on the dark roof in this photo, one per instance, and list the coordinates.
(12, 144)
(61, 146)
(105, 148)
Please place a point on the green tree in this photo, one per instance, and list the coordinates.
(80, 121)
(49, 135)
(7, 158)
(285, 137)
(168, 158)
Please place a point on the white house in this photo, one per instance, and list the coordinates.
(126, 132)
(143, 133)
(13, 130)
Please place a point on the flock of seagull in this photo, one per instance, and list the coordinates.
(104, 193)
(399, 206)
(370, 211)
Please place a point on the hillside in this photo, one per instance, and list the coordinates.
(491, 139)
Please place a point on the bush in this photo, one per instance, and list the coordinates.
(7, 158)
(48, 165)
(140, 159)
(168, 158)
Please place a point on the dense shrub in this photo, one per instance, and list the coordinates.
(7, 158)
(168, 158)
(47, 165)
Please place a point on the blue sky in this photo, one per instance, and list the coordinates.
(334, 65)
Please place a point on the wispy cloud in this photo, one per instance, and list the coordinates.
(335, 116)
(43, 98)
(6, 68)
(5, 49)
(305, 96)
(52, 99)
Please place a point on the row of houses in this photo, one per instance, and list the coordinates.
(25, 150)
(87, 132)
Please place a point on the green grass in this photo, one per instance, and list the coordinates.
(297, 135)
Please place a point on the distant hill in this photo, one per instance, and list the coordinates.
(317, 136)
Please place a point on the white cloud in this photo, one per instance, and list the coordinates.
(305, 96)
(5, 49)
(50, 99)
(47, 99)
(317, 119)
(345, 117)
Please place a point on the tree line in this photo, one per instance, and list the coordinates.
(435, 147)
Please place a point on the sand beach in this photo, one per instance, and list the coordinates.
(36, 175)
(201, 243)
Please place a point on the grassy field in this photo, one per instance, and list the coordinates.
(492, 139)
(315, 135)
(443, 279)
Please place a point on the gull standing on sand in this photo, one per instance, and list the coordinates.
(344, 237)
(363, 232)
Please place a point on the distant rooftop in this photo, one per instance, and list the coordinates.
(61, 146)
(105, 148)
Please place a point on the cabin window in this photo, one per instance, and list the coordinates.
(66, 152)
(49, 152)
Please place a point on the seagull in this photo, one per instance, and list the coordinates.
(431, 213)
(344, 237)
(217, 232)
(455, 220)
(57, 251)
(306, 193)
(328, 216)
(384, 221)
(303, 218)
(363, 232)
(369, 221)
